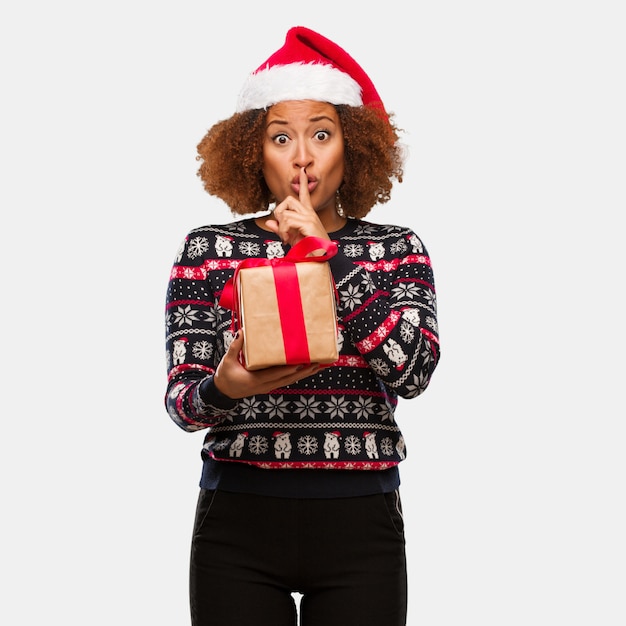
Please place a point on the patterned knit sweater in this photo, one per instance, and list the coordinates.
(343, 416)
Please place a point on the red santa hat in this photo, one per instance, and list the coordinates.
(308, 67)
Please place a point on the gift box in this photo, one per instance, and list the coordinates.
(286, 307)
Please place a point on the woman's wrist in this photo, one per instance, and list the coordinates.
(210, 394)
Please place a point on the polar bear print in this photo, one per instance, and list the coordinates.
(236, 446)
(340, 337)
(223, 245)
(401, 448)
(416, 244)
(274, 249)
(376, 250)
(370, 445)
(228, 339)
(331, 444)
(179, 350)
(282, 445)
(395, 353)
(412, 316)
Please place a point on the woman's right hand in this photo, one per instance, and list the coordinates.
(233, 380)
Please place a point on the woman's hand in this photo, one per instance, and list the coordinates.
(295, 218)
(235, 381)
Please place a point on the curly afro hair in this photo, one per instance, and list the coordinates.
(231, 161)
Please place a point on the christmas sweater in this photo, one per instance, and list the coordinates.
(343, 416)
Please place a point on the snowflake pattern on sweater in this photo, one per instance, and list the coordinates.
(343, 416)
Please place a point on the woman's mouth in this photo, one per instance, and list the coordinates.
(295, 184)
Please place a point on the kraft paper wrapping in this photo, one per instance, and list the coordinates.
(260, 317)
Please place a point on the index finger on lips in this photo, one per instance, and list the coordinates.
(303, 194)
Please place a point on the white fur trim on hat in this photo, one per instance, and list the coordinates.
(298, 81)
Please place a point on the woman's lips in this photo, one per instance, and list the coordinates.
(295, 185)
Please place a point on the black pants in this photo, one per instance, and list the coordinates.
(346, 556)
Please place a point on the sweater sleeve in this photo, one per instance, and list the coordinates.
(387, 306)
(193, 345)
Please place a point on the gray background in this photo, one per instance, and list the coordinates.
(513, 112)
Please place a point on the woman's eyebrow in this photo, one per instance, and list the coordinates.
(317, 118)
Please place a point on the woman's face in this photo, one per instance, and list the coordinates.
(304, 133)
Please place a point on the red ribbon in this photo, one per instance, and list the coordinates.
(287, 292)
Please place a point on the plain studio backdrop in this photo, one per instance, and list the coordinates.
(514, 117)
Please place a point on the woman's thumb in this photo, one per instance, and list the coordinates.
(237, 343)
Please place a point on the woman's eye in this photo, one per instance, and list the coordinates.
(322, 135)
(281, 139)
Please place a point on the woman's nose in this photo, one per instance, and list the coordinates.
(303, 156)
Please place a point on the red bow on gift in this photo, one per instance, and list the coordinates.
(288, 295)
